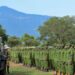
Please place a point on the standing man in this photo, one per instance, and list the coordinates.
(7, 53)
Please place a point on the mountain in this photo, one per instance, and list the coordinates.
(18, 23)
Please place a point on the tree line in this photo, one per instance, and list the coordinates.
(57, 32)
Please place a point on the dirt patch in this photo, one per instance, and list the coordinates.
(15, 64)
(17, 69)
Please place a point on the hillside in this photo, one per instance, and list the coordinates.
(18, 23)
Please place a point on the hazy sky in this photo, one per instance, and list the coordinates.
(44, 7)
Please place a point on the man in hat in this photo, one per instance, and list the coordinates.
(7, 53)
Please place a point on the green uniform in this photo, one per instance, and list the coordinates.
(8, 60)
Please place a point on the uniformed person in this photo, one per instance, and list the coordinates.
(7, 52)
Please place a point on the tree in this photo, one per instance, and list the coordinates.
(29, 40)
(58, 31)
(3, 34)
(13, 41)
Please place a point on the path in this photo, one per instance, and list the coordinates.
(19, 69)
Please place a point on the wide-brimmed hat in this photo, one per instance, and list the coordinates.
(6, 47)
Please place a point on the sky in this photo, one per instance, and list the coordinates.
(43, 7)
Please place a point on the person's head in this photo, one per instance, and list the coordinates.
(6, 47)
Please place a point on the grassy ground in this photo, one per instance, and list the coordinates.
(19, 69)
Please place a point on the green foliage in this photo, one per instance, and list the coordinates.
(3, 34)
(29, 40)
(13, 41)
(58, 30)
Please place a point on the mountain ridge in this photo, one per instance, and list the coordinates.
(6, 7)
(21, 22)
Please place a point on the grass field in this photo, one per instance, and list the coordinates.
(19, 69)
